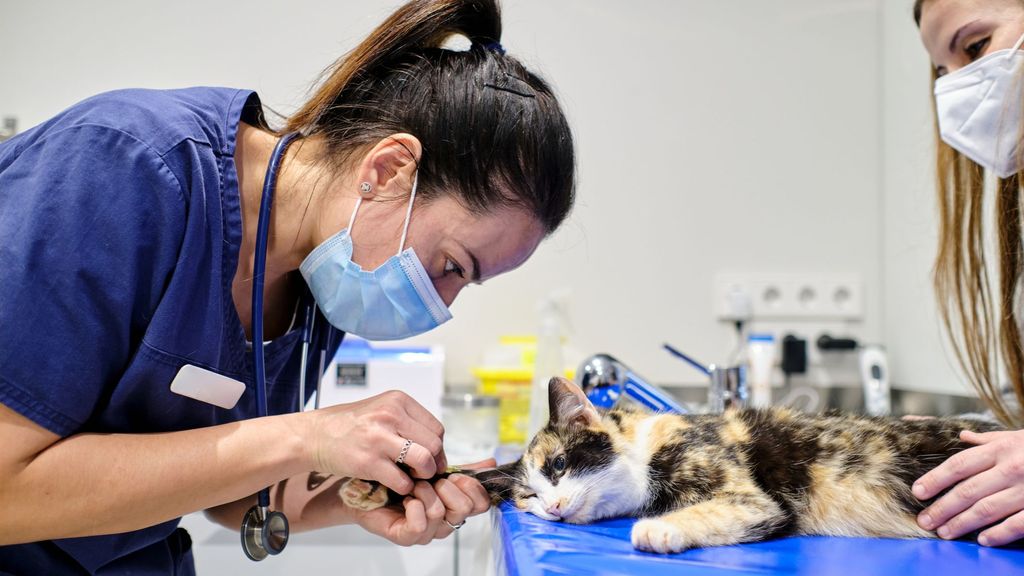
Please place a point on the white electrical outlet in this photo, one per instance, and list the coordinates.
(789, 296)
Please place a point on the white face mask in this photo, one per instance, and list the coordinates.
(979, 110)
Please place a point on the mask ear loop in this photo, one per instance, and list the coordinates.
(352, 219)
(408, 212)
(1016, 47)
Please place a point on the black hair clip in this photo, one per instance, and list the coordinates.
(513, 85)
(493, 47)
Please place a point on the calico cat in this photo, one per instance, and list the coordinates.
(715, 480)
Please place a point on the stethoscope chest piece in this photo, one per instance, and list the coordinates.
(264, 533)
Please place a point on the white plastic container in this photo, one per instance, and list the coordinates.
(761, 362)
(471, 427)
(550, 360)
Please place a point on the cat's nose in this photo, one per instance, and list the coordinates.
(555, 509)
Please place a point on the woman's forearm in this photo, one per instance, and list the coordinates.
(309, 500)
(91, 484)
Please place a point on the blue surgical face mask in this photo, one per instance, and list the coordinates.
(395, 301)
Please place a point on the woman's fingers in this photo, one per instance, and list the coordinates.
(419, 460)
(989, 508)
(410, 532)
(389, 474)
(420, 425)
(458, 504)
(475, 491)
(1007, 531)
(433, 509)
(417, 412)
(426, 438)
(489, 463)
(954, 469)
(980, 438)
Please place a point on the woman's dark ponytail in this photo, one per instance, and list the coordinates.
(416, 25)
(492, 132)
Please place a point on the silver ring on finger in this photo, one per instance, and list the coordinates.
(454, 526)
(405, 450)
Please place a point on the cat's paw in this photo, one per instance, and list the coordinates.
(363, 495)
(653, 535)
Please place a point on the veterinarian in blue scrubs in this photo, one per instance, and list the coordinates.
(127, 231)
(975, 49)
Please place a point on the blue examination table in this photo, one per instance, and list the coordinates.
(529, 546)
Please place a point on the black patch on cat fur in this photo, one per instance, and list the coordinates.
(929, 443)
(852, 463)
(586, 451)
(616, 419)
(674, 479)
(780, 456)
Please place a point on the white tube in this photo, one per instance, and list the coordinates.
(761, 359)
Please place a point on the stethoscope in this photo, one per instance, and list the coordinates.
(265, 532)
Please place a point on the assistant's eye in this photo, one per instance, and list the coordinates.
(452, 267)
(558, 464)
(975, 50)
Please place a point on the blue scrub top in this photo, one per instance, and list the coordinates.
(120, 230)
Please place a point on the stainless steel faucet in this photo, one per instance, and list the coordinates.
(608, 383)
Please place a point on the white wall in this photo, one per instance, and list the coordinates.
(912, 327)
(712, 135)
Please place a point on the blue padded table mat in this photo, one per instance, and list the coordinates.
(525, 545)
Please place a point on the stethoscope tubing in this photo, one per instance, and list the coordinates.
(259, 272)
(265, 532)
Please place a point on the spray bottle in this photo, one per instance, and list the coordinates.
(550, 358)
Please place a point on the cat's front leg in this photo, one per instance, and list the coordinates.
(724, 519)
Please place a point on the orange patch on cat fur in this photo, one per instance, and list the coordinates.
(734, 431)
(849, 507)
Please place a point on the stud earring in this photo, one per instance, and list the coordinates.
(365, 188)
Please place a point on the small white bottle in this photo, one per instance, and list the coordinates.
(761, 360)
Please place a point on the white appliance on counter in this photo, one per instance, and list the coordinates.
(362, 369)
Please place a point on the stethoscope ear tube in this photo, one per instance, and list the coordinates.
(264, 532)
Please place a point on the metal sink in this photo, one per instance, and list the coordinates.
(851, 399)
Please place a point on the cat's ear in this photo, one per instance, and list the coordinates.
(569, 405)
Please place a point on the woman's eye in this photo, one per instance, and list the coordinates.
(452, 267)
(558, 464)
(973, 51)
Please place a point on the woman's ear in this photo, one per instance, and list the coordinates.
(390, 166)
(569, 405)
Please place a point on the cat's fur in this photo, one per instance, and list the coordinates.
(712, 480)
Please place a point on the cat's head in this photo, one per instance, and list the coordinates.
(575, 470)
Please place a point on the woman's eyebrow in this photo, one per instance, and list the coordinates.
(956, 37)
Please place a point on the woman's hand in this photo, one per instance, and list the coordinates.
(364, 440)
(428, 511)
(989, 489)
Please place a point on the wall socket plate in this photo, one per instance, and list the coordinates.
(789, 296)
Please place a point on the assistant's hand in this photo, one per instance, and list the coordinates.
(364, 439)
(989, 488)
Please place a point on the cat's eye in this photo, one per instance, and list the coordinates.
(558, 464)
